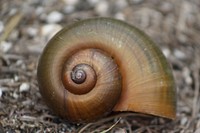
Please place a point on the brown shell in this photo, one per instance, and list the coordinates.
(145, 84)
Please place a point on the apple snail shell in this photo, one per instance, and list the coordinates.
(99, 65)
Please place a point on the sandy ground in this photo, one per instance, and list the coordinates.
(26, 26)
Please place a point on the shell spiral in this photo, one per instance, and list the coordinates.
(96, 66)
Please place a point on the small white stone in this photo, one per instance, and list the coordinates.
(13, 11)
(186, 75)
(39, 10)
(188, 80)
(120, 16)
(5, 46)
(1, 92)
(179, 54)
(54, 17)
(15, 95)
(16, 78)
(69, 9)
(24, 87)
(102, 7)
(19, 62)
(166, 52)
(32, 31)
(49, 30)
(184, 121)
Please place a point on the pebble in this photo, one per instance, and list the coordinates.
(32, 31)
(54, 17)
(5, 46)
(15, 95)
(69, 9)
(24, 87)
(186, 74)
(49, 30)
(1, 92)
(120, 16)
(184, 121)
(20, 63)
(179, 54)
(102, 8)
(16, 78)
(166, 52)
(39, 10)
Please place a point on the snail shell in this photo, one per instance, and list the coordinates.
(96, 66)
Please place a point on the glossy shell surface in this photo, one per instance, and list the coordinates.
(145, 84)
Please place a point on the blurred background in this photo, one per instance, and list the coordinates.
(27, 25)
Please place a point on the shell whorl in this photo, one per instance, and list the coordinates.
(145, 82)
